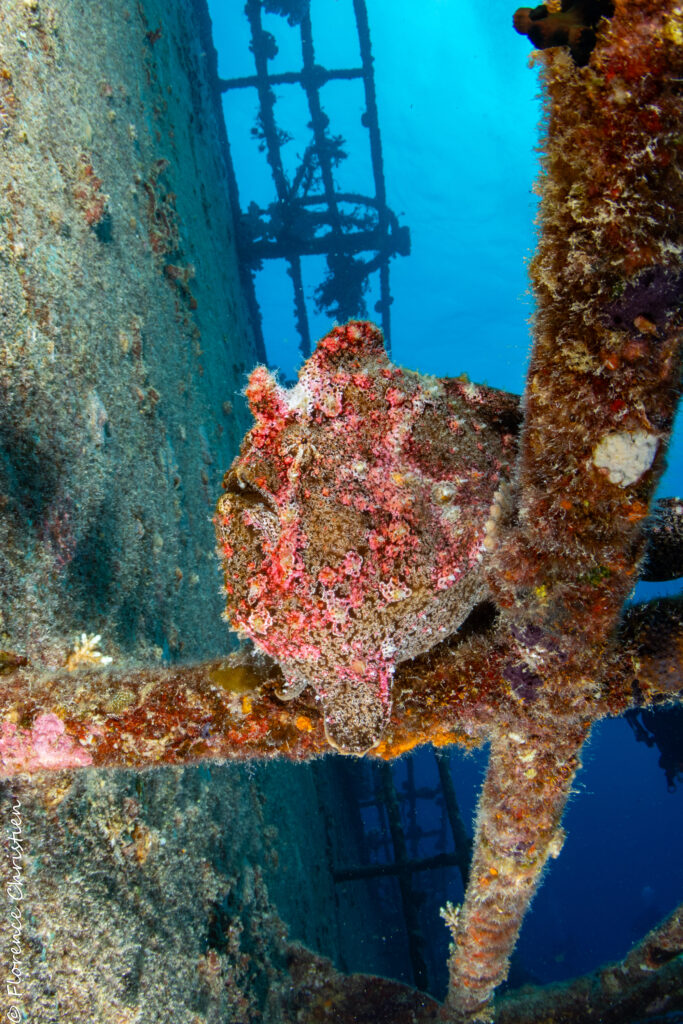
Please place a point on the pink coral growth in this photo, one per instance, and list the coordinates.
(45, 745)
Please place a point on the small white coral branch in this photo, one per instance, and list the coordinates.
(86, 652)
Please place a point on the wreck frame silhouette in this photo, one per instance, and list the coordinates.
(289, 228)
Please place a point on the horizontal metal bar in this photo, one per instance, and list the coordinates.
(390, 244)
(316, 76)
(440, 860)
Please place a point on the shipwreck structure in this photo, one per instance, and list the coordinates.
(310, 214)
(100, 389)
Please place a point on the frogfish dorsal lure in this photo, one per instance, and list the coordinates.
(352, 524)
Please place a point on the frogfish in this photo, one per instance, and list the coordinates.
(353, 522)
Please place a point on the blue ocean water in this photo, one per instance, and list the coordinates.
(459, 115)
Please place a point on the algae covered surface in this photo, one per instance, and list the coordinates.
(124, 339)
(124, 343)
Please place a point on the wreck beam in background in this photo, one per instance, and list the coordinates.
(649, 980)
(650, 976)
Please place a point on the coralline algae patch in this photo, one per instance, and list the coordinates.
(352, 525)
(44, 745)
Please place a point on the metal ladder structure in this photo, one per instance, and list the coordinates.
(310, 216)
(395, 852)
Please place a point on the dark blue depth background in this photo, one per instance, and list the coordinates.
(459, 115)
